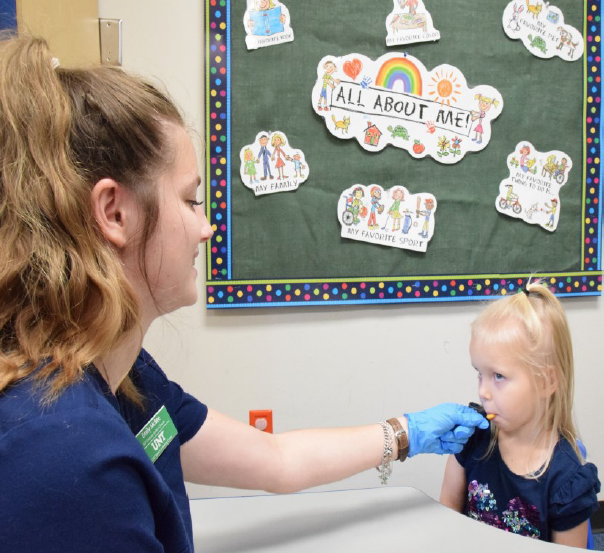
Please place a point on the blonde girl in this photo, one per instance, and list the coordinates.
(484, 104)
(249, 167)
(398, 196)
(527, 475)
(262, 5)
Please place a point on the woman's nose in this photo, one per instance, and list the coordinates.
(206, 229)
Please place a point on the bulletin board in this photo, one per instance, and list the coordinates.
(8, 14)
(286, 248)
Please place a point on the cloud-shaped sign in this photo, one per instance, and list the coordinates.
(396, 100)
(270, 164)
(391, 217)
(410, 22)
(541, 28)
(532, 190)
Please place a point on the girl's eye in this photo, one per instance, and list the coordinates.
(499, 377)
(194, 203)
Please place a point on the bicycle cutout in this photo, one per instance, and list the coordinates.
(510, 201)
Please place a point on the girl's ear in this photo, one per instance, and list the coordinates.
(550, 382)
(114, 211)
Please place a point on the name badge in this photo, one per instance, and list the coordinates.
(157, 434)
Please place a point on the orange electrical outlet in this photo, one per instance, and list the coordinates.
(262, 420)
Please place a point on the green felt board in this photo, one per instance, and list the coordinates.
(297, 234)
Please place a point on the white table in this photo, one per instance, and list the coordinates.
(370, 520)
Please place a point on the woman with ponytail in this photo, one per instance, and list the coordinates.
(100, 225)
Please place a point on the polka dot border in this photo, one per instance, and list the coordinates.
(278, 294)
(592, 203)
(218, 148)
(221, 292)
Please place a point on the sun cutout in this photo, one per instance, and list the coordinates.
(445, 87)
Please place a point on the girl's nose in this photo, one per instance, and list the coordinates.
(483, 391)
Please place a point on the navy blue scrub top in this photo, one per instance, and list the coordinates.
(74, 477)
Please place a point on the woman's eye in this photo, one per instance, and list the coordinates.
(194, 203)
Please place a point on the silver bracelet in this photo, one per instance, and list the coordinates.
(385, 469)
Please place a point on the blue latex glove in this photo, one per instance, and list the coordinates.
(442, 429)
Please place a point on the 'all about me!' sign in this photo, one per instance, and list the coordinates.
(395, 100)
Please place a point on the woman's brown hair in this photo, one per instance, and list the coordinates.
(64, 299)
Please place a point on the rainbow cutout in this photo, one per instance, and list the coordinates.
(400, 69)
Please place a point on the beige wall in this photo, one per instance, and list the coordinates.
(301, 362)
(71, 27)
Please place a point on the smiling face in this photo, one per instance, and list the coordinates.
(505, 388)
(181, 228)
(484, 105)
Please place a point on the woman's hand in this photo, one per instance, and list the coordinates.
(442, 429)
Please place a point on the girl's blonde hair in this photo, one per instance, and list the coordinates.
(64, 298)
(489, 101)
(534, 327)
(270, 4)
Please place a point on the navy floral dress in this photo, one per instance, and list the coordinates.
(562, 498)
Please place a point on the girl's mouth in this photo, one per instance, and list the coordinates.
(480, 409)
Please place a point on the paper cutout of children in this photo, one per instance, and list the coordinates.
(398, 196)
(416, 25)
(534, 181)
(376, 207)
(484, 104)
(328, 80)
(351, 110)
(269, 146)
(357, 205)
(426, 213)
(250, 167)
(524, 151)
(267, 23)
(298, 166)
(402, 232)
(268, 26)
(551, 209)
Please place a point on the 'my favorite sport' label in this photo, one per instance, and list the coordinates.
(157, 434)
